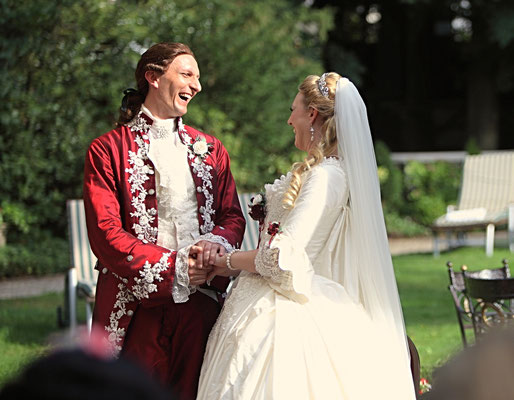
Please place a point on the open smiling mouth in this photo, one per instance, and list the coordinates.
(185, 97)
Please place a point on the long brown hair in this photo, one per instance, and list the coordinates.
(157, 58)
(328, 142)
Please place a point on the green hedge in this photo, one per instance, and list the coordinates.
(38, 257)
(415, 194)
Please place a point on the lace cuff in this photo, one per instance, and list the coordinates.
(181, 288)
(266, 264)
(216, 239)
(293, 260)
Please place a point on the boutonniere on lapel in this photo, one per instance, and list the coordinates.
(200, 148)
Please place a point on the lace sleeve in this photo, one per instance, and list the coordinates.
(266, 264)
(216, 239)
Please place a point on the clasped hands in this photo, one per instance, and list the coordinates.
(206, 260)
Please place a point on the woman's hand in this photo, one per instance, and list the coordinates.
(221, 261)
(220, 268)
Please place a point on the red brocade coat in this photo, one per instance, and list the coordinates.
(121, 213)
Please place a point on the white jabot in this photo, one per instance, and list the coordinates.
(176, 193)
(176, 199)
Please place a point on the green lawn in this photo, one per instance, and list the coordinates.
(26, 324)
(25, 329)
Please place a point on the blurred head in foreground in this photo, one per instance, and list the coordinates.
(80, 373)
(484, 371)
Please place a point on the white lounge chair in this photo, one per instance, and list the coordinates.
(486, 199)
(82, 276)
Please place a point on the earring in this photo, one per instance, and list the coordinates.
(312, 134)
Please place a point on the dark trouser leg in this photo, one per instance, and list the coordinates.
(170, 341)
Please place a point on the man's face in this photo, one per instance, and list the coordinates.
(177, 86)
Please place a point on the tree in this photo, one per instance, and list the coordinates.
(252, 57)
(65, 64)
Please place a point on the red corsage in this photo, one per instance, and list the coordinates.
(273, 229)
(258, 208)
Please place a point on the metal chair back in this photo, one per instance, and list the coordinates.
(490, 293)
(460, 302)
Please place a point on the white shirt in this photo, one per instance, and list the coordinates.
(178, 226)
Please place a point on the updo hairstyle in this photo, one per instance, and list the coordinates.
(327, 145)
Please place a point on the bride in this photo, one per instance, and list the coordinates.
(315, 312)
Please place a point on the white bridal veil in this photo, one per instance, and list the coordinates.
(368, 273)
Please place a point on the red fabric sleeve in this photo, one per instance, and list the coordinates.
(147, 269)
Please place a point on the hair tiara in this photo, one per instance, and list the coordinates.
(322, 85)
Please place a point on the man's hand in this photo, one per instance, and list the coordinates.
(206, 253)
(197, 276)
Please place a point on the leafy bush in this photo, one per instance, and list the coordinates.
(391, 180)
(413, 197)
(402, 225)
(430, 188)
(15, 215)
(41, 256)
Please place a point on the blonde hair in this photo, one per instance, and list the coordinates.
(328, 142)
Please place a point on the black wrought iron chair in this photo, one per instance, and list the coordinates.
(460, 301)
(490, 293)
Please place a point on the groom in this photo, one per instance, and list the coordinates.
(153, 188)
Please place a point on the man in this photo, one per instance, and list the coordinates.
(153, 188)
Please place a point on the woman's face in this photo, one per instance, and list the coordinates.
(300, 121)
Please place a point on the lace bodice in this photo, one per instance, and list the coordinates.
(266, 260)
(324, 174)
(289, 254)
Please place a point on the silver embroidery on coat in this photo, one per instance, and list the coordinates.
(139, 174)
(116, 333)
(148, 275)
(202, 170)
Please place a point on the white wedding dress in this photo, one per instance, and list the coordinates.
(292, 331)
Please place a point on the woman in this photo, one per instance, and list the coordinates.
(315, 313)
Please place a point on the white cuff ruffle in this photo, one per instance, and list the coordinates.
(181, 288)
